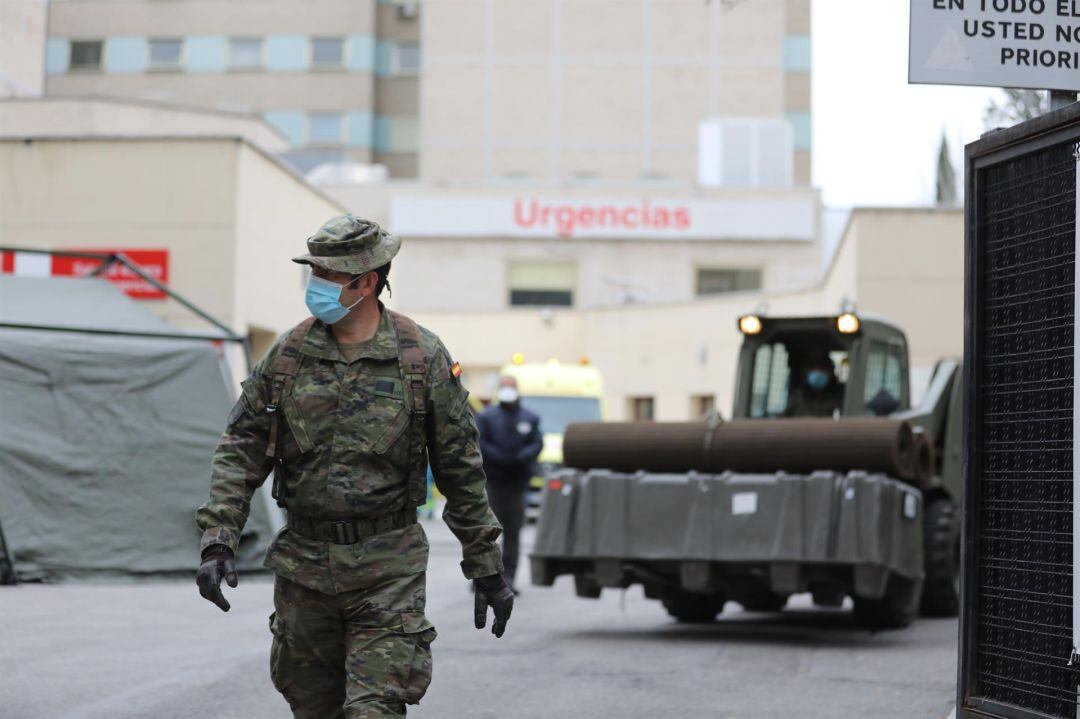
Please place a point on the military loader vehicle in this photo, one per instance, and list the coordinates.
(825, 480)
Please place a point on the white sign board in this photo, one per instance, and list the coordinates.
(1000, 43)
(546, 217)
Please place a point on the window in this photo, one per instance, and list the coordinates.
(884, 371)
(327, 52)
(773, 390)
(408, 58)
(165, 53)
(325, 128)
(701, 405)
(642, 409)
(245, 53)
(769, 386)
(742, 152)
(717, 280)
(86, 55)
(544, 284)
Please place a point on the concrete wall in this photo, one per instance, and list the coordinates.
(376, 103)
(911, 269)
(612, 89)
(22, 48)
(275, 213)
(178, 195)
(230, 216)
(610, 271)
(193, 17)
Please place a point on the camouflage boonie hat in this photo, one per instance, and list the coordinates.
(350, 244)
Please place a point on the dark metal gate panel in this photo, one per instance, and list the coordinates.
(1017, 628)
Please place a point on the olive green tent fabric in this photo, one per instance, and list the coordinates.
(105, 440)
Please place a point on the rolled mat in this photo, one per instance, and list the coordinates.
(924, 458)
(767, 445)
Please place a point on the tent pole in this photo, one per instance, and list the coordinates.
(176, 296)
(121, 333)
(117, 257)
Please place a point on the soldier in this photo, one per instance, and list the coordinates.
(819, 394)
(348, 408)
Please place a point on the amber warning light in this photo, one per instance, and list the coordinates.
(847, 323)
(750, 324)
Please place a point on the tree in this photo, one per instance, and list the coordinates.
(946, 176)
(1016, 107)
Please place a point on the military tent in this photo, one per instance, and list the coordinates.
(108, 420)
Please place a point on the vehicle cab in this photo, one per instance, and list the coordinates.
(831, 366)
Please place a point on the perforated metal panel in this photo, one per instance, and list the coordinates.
(1018, 617)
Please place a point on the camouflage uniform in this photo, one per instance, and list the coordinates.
(350, 638)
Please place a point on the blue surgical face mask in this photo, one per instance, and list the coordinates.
(817, 379)
(323, 298)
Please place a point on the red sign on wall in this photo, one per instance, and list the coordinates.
(153, 262)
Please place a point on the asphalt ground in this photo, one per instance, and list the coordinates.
(158, 650)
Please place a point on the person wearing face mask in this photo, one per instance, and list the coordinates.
(348, 409)
(510, 441)
(818, 394)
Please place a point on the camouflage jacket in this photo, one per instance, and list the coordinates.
(345, 449)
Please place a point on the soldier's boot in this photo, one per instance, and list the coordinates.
(307, 657)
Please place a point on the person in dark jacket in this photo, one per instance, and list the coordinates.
(510, 442)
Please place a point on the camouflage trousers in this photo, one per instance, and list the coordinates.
(363, 654)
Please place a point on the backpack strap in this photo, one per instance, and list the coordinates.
(283, 372)
(413, 369)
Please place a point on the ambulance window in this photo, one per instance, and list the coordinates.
(769, 386)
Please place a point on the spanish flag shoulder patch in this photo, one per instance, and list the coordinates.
(455, 370)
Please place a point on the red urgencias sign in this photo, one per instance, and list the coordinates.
(153, 262)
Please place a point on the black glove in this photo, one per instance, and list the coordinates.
(493, 591)
(217, 562)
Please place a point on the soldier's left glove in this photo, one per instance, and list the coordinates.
(218, 562)
(494, 592)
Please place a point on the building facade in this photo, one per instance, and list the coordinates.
(198, 198)
(339, 80)
(580, 157)
(571, 178)
(615, 90)
(669, 361)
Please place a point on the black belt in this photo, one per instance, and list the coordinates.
(350, 531)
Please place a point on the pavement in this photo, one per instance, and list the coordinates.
(90, 651)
